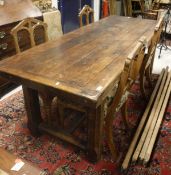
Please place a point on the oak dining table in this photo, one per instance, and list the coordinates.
(81, 68)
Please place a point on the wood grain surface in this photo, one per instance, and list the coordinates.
(84, 62)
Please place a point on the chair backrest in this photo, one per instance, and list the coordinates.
(137, 55)
(29, 25)
(53, 20)
(129, 74)
(154, 41)
(88, 12)
(130, 6)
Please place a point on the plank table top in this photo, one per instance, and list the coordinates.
(80, 68)
(84, 62)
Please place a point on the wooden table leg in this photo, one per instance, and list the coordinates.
(33, 110)
(95, 133)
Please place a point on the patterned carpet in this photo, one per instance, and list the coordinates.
(59, 158)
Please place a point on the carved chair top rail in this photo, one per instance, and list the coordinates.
(32, 24)
(28, 24)
(88, 12)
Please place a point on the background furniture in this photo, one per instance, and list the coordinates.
(133, 7)
(79, 70)
(139, 7)
(165, 4)
(53, 20)
(86, 15)
(10, 16)
(30, 25)
(69, 15)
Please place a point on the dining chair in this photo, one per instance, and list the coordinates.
(147, 65)
(152, 12)
(86, 13)
(47, 99)
(128, 76)
(135, 7)
(29, 25)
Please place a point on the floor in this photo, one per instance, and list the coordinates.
(163, 61)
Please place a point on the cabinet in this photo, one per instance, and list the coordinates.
(10, 17)
(69, 13)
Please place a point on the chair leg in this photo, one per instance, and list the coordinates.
(148, 74)
(124, 115)
(142, 85)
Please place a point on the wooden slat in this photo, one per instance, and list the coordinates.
(143, 137)
(127, 159)
(154, 136)
(76, 123)
(155, 117)
(61, 135)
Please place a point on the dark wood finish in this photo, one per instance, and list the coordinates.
(7, 161)
(33, 110)
(81, 67)
(10, 17)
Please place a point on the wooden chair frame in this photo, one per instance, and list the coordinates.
(152, 13)
(147, 66)
(128, 77)
(86, 11)
(28, 24)
(129, 7)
